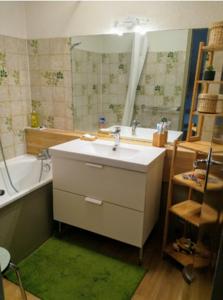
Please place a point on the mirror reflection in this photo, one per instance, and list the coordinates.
(117, 80)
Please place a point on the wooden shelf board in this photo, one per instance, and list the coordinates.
(187, 259)
(211, 186)
(210, 81)
(202, 146)
(207, 114)
(190, 211)
(212, 48)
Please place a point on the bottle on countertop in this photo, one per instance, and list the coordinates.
(35, 120)
(101, 122)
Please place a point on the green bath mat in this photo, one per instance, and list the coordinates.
(60, 270)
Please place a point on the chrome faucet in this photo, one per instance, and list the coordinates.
(116, 133)
(44, 154)
(135, 123)
(197, 162)
(208, 161)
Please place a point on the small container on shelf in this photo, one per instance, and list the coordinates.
(160, 137)
(200, 173)
(216, 35)
(209, 73)
(207, 103)
(102, 122)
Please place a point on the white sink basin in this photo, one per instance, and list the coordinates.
(132, 157)
(145, 134)
(106, 150)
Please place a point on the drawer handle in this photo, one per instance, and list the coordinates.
(92, 200)
(94, 165)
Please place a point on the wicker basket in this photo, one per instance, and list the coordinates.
(207, 103)
(216, 35)
(219, 108)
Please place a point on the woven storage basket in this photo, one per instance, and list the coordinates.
(207, 103)
(219, 108)
(216, 35)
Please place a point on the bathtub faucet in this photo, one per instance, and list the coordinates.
(44, 154)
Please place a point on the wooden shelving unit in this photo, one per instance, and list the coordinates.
(205, 87)
(190, 211)
(186, 259)
(207, 114)
(212, 49)
(214, 183)
(202, 147)
(210, 81)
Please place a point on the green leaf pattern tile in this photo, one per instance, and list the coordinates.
(8, 123)
(16, 77)
(50, 121)
(159, 90)
(2, 59)
(117, 109)
(53, 78)
(34, 46)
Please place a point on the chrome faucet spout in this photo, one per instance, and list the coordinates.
(116, 133)
(135, 123)
(44, 154)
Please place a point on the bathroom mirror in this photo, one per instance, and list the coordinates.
(129, 77)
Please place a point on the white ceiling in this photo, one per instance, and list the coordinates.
(36, 19)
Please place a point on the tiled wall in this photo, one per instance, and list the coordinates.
(159, 93)
(115, 77)
(38, 72)
(99, 87)
(14, 94)
(86, 83)
(34, 74)
(50, 79)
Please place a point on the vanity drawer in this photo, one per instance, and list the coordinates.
(116, 222)
(113, 185)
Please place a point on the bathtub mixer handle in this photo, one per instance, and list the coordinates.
(44, 154)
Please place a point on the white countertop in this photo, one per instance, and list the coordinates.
(126, 156)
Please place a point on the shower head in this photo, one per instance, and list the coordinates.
(75, 45)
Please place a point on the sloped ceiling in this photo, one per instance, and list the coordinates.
(43, 19)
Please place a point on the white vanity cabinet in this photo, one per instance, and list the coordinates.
(115, 202)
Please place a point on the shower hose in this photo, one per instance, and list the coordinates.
(6, 168)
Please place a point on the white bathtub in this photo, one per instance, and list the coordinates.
(25, 173)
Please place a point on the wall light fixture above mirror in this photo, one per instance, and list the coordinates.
(131, 24)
